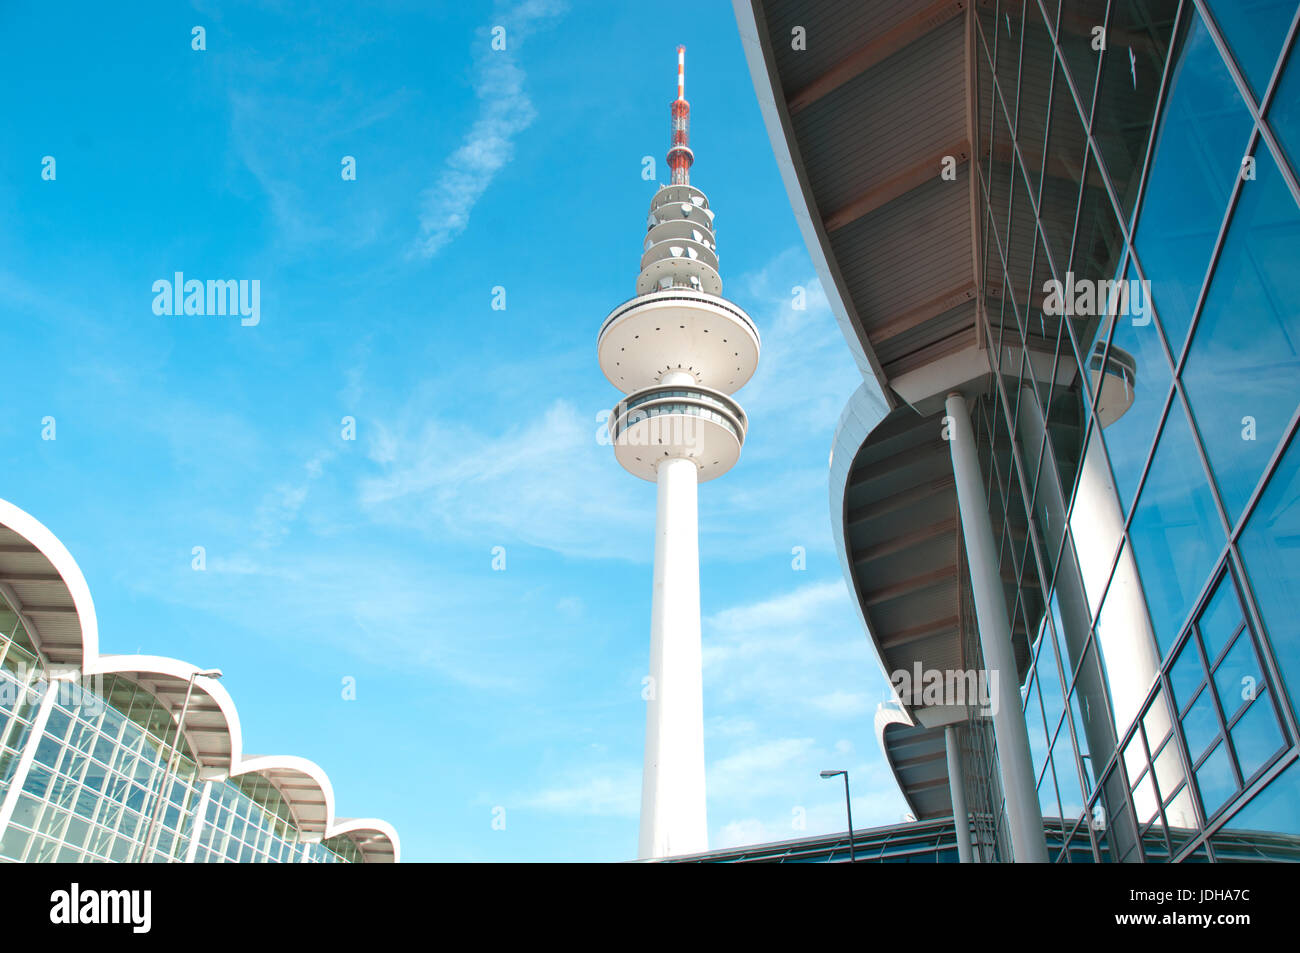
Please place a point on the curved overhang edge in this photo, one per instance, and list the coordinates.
(92, 663)
(890, 716)
(36, 533)
(360, 825)
(129, 665)
(864, 412)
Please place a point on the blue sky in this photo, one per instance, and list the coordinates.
(371, 559)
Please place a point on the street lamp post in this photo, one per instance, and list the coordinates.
(171, 758)
(848, 806)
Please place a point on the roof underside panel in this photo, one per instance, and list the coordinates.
(901, 525)
(41, 593)
(877, 99)
(919, 759)
(891, 256)
(834, 29)
(850, 136)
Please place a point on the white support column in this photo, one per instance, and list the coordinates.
(200, 820)
(29, 754)
(1024, 817)
(957, 790)
(673, 812)
(1124, 636)
(1133, 661)
(1051, 504)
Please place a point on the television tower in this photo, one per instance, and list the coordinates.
(677, 350)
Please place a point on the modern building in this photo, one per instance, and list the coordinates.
(678, 350)
(88, 771)
(923, 842)
(934, 841)
(1080, 496)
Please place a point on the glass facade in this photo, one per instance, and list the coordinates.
(926, 842)
(935, 842)
(1138, 443)
(84, 786)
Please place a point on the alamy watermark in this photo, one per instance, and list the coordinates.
(213, 297)
(676, 426)
(1087, 298)
(83, 694)
(76, 905)
(930, 687)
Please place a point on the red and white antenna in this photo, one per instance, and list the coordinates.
(680, 156)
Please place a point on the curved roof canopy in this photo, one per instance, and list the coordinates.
(879, 116)
(867, 106)
(46, 588)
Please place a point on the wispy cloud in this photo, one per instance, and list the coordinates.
(545, 483)
(799, 647)
(599, 792)
(796, 607)
(301, 213)
(505, 110)
(842, 704)
(801, 820)
(770, 790)
(390, 616)
(801, 343)
(282, 504)
(754, 767)
(795, 670)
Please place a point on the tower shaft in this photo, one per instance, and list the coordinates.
(673, 814)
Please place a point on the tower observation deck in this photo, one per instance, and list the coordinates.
(677, 351)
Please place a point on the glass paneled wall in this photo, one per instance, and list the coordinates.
(91, 782)
(1146, 488)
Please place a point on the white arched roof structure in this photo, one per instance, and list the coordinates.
(44, 585)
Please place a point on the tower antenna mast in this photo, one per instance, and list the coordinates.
(680, 156)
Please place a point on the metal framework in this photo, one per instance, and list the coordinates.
(1062, 143)
(90, 738)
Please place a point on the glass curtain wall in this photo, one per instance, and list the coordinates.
(93, 782)
(1138, 435)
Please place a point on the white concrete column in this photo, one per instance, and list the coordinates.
(957, 791)
(1050, 502)
(673, 814)
(200, 819)
(29, 754)
(1024, 817)
(1128, 645)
